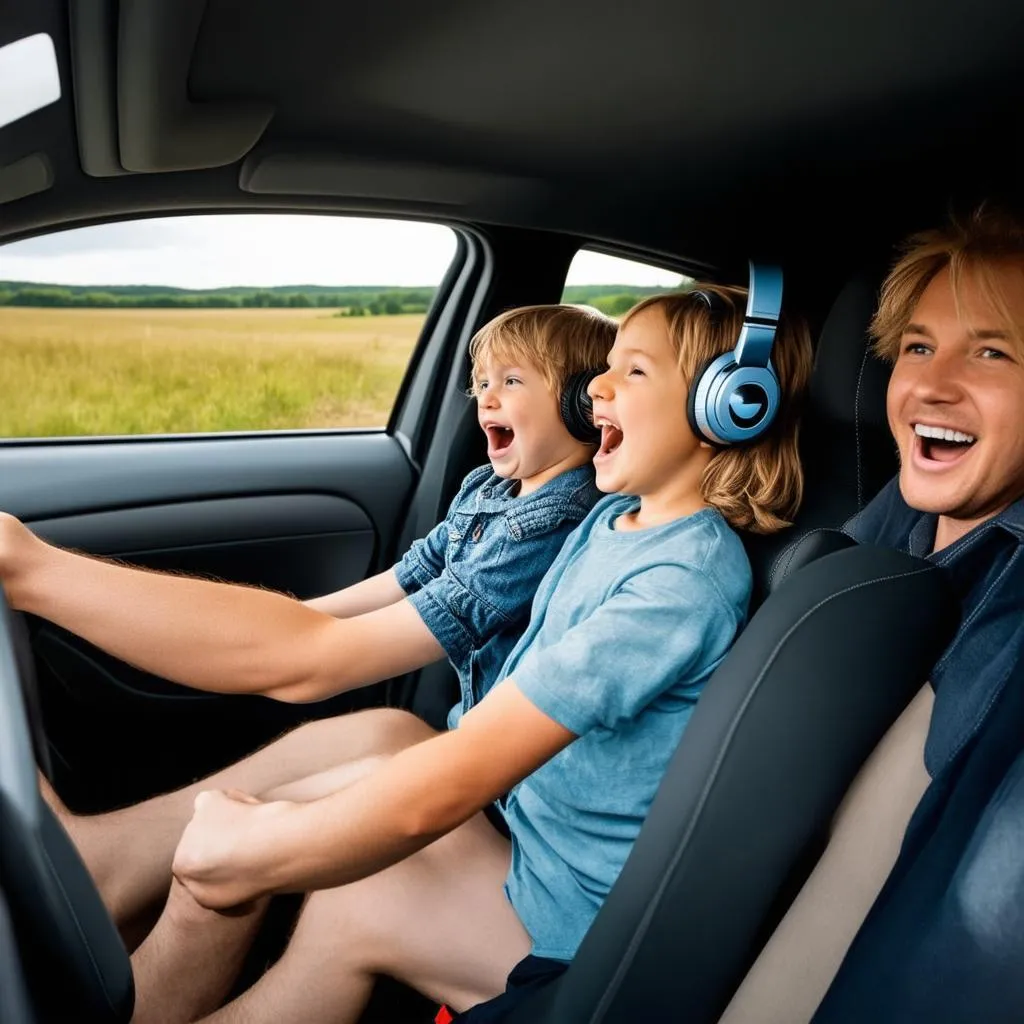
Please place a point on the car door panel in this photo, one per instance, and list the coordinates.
(306, 544)
(304, 514)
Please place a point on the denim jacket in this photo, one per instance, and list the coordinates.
(986, 567)
(473, 577)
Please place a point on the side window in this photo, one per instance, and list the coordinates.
(614, 285)
(229, 322)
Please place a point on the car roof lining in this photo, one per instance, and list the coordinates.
(690, 131)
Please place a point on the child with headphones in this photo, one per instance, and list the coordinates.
(698, 437)
(464, 591)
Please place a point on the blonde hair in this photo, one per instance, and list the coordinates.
(558, 340)
(966, 246)
(759, 486)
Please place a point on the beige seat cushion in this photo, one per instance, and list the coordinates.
(797, 965)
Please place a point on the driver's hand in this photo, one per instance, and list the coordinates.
(15, 541)
(224, 858)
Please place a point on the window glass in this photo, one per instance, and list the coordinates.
(29, 76)
(614, 285)
(212, 323)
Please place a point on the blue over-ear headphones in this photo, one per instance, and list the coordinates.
(734, 398)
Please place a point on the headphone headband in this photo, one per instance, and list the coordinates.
(736, 396)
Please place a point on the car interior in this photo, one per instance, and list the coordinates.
(688, 137)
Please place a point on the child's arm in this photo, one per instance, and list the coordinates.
(655, 632)
(421, 564)
(377, 592)
(212, 636)
(233, 852)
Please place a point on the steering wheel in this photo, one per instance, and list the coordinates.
(76, 964)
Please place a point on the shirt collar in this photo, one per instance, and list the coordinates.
(922, 536)
(1013, 519)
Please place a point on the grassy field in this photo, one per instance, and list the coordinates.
(69, 372)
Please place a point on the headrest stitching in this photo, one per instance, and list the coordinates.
(856, 427)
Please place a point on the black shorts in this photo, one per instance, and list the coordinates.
(527, 976)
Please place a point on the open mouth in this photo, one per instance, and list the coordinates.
(942, 445)
(499, 440)
(611, 438)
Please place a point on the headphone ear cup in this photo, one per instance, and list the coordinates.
(691, 405)
(577, 409)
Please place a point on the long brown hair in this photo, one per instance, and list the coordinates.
(759, 486)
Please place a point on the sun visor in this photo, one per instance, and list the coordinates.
(130, 64)
(360, 178)
(159, 128)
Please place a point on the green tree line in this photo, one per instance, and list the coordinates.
(349, 300)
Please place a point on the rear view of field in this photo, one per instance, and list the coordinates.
(68, 372)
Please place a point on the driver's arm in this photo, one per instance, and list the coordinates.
(232, 852)
(212, 636)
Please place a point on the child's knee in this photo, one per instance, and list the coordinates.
(383, 730)
(397, 729)
(361, 733)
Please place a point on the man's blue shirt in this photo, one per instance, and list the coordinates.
(626, 628)
(473, 577)
(986, 567)
(944, 941)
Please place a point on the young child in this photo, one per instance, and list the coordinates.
(463, 592)
(471, 580)
(630, 621)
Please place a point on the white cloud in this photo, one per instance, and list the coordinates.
(236, 249)
(214, 251)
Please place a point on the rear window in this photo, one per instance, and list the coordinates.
(614, 285)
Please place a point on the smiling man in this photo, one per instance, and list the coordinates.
(955, 399)
(944, 940)
(951, 320)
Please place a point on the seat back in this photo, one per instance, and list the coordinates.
(825, 666)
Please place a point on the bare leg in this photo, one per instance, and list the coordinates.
(189, 961)
(438, 921)
(129, 852)
(187, 965)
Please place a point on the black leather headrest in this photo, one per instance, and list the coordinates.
(849, 382)
(847, 436)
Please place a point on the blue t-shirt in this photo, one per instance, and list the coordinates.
(472, 578)
(626, 628)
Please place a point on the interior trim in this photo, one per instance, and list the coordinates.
(160, 129)
(363, 178)
(92, 31)
(25, 177)
(206, 522)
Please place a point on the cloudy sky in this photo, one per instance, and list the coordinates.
(266, 250)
